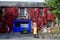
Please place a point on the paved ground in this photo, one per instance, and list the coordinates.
(18, 36)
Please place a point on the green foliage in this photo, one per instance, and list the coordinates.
(54, 11)
(55, 5)
(59, 27)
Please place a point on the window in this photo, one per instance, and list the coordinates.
(0, 11)
(3, 12)
(40, 12)
(0, 25)
(24, 24)
(22, 11)
(49, 24)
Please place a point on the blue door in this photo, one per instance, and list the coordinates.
(20, 25)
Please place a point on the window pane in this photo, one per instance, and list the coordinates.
(49, 23)
(21, 11)
(40, 12)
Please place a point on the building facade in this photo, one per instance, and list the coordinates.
(35, 11)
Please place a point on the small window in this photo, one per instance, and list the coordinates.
(0, 11)
(22, 11)
(24, 24)
(49, 24)
(40, 12)
(3, 11)
(0, 24)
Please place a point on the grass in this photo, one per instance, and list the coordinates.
(56, 31)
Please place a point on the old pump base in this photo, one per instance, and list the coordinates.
(36, 36)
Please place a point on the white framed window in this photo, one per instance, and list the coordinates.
(22, 10)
